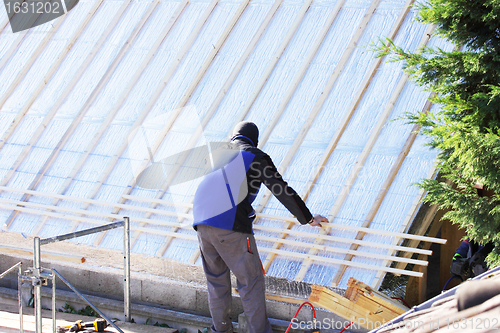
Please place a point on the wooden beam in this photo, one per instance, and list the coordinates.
(302, 71)
(293, 220)
(383, 191)
(51, 209)
(93, 143)
(98, 88)
(298, 140)
(324, 248)
(152, 101)
(343, 240)
(187, 95)
(274, 60)
(314, 257)
(321, 100)
(194, 238)
(357, 98)
(55, 66)
(4, 249)
(53, 110)
(354, 311)
(364, 155)
(27, 66)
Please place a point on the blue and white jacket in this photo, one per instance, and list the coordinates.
(224, 197)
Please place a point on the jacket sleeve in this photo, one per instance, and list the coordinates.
(270, 176)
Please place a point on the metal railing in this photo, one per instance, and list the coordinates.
(19, 295)
(39, 276)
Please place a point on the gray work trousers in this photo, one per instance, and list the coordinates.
(224, 250)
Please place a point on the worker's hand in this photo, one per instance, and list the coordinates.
(317, 219)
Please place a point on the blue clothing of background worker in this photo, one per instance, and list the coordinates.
(469, 259)
(223, 217)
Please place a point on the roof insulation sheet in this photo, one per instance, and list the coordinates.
(87, 101)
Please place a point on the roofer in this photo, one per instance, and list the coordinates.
(223, 217)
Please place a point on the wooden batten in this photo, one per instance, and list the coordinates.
(27, 66)
(274, 61)
(53, 110)
(366, 152)
(354, 41)
(213, 108)
(4, 249)
(361, 304)
(50, 73)
(185, 99)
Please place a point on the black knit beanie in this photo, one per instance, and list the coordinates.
(248, 130)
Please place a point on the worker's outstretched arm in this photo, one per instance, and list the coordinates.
(270, 176)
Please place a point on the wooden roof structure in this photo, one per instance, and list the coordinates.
(90, 100)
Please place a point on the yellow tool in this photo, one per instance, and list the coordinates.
(99, 325)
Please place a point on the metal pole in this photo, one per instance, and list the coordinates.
(10, 270)
(126, 257)
(82, 233)
(20, 299)
(37, 286)
(87, 301)
(54, 329)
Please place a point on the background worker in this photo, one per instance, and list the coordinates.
(223, 217)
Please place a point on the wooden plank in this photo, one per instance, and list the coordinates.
(94, 221)
(211, 111)
(364, 155)
(357, 98)
(53, 110)
(315, 257)
(88, 212)
(93, 143)
(293, 220)
(274, 60)
(27, 66)
(327, 299)
(157, 222)
(11, 204)
(163, 212)
(188, 226)
(302, 71)
(55, 66)
(90, 100)
(382, 192)
(284, 164)
(323, 248)
(319, 103)
(4, 249)
(359, 288)
(152, 101)
(187, 95)
(343, 240)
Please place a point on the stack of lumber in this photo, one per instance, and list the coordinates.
(361, 305)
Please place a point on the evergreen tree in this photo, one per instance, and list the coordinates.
(466, 130)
